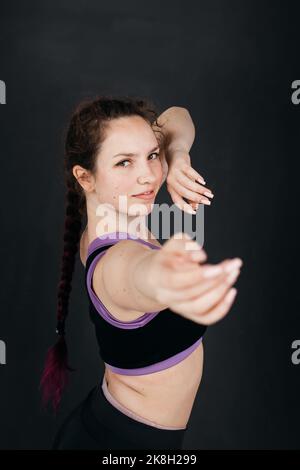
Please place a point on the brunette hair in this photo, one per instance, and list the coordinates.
(83, 138)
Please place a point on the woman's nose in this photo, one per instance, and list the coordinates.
(146, 175)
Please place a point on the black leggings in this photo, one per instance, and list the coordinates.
(96, 424)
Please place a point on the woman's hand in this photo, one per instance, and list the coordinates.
(183, 181)
(201, 292)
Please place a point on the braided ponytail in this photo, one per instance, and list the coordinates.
(56, 370)
(85, 134)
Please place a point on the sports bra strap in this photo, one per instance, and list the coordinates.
(96, 250)
(114, 237)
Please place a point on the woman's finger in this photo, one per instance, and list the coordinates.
(219, 311)
(186, 263)
(193, 186)
(188, 282)
(193, 174)
(199, 288)
(193, 196)
(179, 202)
(191, 292)
(194, 205)
(204, 302)
(181, 279)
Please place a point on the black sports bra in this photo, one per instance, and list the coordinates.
(153, 342)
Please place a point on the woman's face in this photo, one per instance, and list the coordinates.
(118, 174)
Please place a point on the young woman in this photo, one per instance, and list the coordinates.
(150, 303)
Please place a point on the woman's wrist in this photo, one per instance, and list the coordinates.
(178, 130)
(178, 151)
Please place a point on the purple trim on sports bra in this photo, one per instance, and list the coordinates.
(99, 306)
(171, 361)
(112, 236)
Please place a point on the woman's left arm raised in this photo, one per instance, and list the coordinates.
(182, 180)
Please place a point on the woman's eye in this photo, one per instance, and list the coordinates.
(155, 153)
(123, 161)
(120, 163)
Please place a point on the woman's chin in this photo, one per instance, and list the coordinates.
(141, 209)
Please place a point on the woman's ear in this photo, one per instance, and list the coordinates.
(84, 178)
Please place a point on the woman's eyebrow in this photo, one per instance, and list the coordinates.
(124, 154)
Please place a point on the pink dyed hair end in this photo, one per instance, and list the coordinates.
(55, 376)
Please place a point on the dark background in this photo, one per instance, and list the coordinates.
(231, 64)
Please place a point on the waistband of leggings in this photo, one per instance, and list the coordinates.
(130, 413)
(99, 411)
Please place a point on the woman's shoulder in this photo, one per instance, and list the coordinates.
(111, 283)
(84, 243)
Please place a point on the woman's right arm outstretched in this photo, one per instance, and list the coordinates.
(147, 280)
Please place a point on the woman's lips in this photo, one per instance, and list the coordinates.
(145, 196)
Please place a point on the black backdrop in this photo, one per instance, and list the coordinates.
(231, 64)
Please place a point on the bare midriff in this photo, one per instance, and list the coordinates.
(165, 397)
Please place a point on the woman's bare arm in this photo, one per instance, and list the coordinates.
(182, 180)
(142, 279)
(117, 273)
(178, 130)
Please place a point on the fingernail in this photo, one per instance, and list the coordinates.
(201, 181)
(204, 201)
(192, 245)
(232, 276)
(191, 211)
(208, 194)
(235, 263)
(211, 271)
(230, 295)
(188, 209)
(196, 256)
